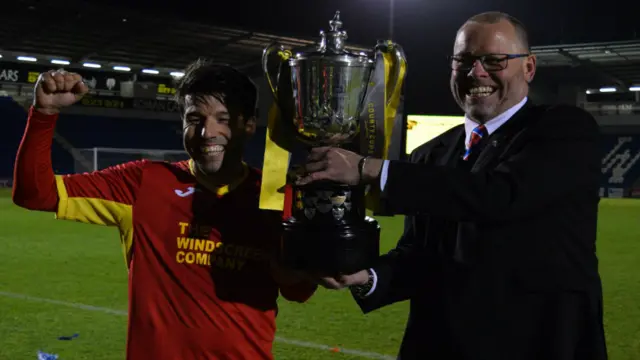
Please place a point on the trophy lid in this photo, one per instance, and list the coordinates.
(332, 46)
(334, 40)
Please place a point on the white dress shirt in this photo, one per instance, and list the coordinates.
(491, 125)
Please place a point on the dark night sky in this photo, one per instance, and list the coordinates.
(425, 28)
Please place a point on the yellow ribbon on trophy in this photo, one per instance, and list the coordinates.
(277, 153)
(377, 140)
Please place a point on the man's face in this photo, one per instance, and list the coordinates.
(214, 137)
(484, 92)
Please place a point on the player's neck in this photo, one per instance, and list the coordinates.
(225, 176)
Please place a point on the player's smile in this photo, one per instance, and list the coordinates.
(210, 154)
(211, 149)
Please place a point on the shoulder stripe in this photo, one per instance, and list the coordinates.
(97, 211)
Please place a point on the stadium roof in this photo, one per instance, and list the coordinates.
(614, 64)
(80, 32)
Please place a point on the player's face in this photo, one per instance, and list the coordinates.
(484, 93)
(213, 136)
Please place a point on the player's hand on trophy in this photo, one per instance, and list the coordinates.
(55, 90)
(339, 165)
(285, 276)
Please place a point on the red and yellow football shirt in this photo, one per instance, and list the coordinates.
(200, 285)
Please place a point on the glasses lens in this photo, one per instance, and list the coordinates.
(494, 63)
(489, 62)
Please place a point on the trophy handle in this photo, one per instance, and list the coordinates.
(399, 57)
(284, 54)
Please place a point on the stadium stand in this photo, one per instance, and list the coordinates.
(620, 162)
(620, 166)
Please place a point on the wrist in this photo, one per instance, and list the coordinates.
(46, 110)
(364, 279)
(362, 287)
(371, 169)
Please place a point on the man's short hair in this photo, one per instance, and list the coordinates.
(494, 17)
(231, 87)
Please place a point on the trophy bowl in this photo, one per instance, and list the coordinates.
(328, 97)
(321, 102)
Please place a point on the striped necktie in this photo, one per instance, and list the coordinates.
(476, 135)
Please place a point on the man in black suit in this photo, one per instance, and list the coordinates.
(498, 255)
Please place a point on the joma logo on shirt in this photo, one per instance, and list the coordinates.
(190, 191)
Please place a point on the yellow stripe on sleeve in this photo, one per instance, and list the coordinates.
(98, 212)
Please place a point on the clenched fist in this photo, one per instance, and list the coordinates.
(57, 89)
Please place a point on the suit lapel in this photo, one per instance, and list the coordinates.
(450, 147)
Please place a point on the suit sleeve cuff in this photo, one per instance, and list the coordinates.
(383, 174)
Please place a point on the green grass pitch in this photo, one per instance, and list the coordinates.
(49, 269)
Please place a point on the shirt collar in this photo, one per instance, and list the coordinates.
(493, 124)
(219, 190)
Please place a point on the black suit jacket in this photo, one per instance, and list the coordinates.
(498, 259)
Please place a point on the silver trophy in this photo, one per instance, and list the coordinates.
(329, 86)
(321, 93)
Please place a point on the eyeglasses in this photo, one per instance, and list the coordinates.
(490, 62)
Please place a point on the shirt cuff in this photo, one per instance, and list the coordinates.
(383, 175)
(375, 282)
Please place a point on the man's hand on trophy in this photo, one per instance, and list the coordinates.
(339, 165)
(359, 278)
(329, 282)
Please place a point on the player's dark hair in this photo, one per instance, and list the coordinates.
(493, 17)
(228, 85)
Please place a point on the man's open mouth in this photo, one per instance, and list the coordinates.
(480, 91)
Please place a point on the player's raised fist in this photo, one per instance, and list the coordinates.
(55, 90)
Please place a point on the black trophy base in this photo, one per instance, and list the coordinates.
(332, 249)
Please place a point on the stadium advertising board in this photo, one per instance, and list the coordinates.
(422, 128)
(116, 102)
(97, 80)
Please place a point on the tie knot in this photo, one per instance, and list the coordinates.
(477, 134)
(480, 130)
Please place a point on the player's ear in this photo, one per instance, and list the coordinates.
(250, 126)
